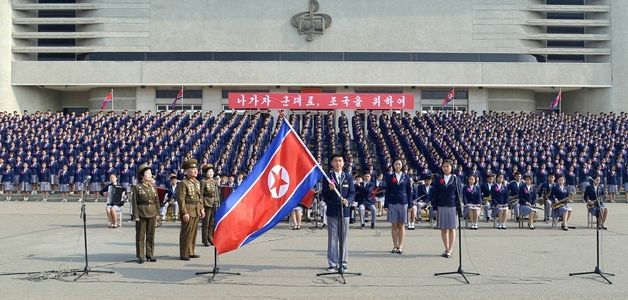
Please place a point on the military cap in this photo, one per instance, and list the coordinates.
(190, 163)
(141, 169)
(206, 167)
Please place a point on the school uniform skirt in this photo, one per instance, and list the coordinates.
(447, 217)
(94, 187)
(54, 179)
(44, 186)
(612, 188)
(64, 188)
(525, 210)
(71, 179)
(34, 179)
(8, 186)
(78, 187)
(397, 213)
(25, 187)
(571, 189)
(595, 209)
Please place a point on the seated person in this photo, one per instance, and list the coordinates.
(527, 201)
(115, 200)
(593, 195)
(169, 199)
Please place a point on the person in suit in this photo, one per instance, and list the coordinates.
(499, 200)
(7, 181)
(485, 188)
(527, 201)
(447, 201)
(145, 206)
(398, 197)
(209, 188)
(593, 196)
(424, 197)
(190, 209)
(380, 192)
(338, 195)
(560, 193)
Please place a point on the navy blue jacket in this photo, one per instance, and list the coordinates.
(527, 195)
(472, 195)
(499, 195)
(589, 193)
(398, 192)
(345, 187)
(447, 194)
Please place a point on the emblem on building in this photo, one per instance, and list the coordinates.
(310, 23)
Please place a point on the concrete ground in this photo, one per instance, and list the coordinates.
(282, 264)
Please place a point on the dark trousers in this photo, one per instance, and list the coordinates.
(187, 237)
(207, 226)
(145, 237)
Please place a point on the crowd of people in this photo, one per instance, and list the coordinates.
(444, 164)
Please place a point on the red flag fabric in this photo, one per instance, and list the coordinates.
(178, 97)
(450, 96)
(108, 98)
(557, 100)
(277, 183)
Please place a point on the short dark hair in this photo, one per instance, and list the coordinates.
(337, 155)
(526, 177)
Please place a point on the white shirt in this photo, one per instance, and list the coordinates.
(338, 176)
(447, 178)
(398, 176)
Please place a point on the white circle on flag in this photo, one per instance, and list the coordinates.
(278, 181)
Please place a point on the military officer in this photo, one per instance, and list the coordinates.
(145, 207)
(209, 189)
(190, 209)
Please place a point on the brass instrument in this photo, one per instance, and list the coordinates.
(561, 203)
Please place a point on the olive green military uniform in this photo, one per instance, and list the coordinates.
(145, 206)
(189, 197)
(209, 190)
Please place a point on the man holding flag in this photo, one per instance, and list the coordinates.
(277, 183)
(338, 195)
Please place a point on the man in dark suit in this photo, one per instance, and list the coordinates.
(593, 195)
(341, 184)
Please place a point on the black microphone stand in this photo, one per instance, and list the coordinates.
(87, 269)
(597, 269)
(216, 270)
(317, 212)
(459, 213)
(341, 242)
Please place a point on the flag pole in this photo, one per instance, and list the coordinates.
(181, 98)
(112, 100)
(454, 100)
(560, 104)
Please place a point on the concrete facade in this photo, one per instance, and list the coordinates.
(454, 28)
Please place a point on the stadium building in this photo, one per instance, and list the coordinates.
(499, 55)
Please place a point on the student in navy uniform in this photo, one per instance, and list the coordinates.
(7, 181)
(447, 201)
(545, 191)
(485, 188)
(64, 183)
(472, 197)
(380, 192)
(527, 201)
(79, 181)
(593, 194)
(94, 182)
(612, 179)
(513, 192)
(398, 197)
(25, 181)
(367, 201)
(342, 183)
(500, 201)
(44, 181)
(424, 197)
(561, 194)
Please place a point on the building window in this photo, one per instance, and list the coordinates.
(185, 108)
(171, 94)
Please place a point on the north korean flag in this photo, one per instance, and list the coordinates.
(450, 96)
(108, 98)
(178, 97)
(278, 182)
(557, 100)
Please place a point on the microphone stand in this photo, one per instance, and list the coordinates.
(460, 270)
(216, 270)
(87, 268)
(341, 224)
(597, 269)
(317, 212)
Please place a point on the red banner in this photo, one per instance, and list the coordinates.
(320, 101)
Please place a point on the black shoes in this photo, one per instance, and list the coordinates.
(148, 258)
(184, 258)
(195, 256)
(140, 261)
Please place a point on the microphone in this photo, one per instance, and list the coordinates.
(87, 179)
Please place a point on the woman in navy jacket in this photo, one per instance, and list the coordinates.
(398, 196)
(447, 201)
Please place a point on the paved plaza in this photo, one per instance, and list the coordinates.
(282, 264)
